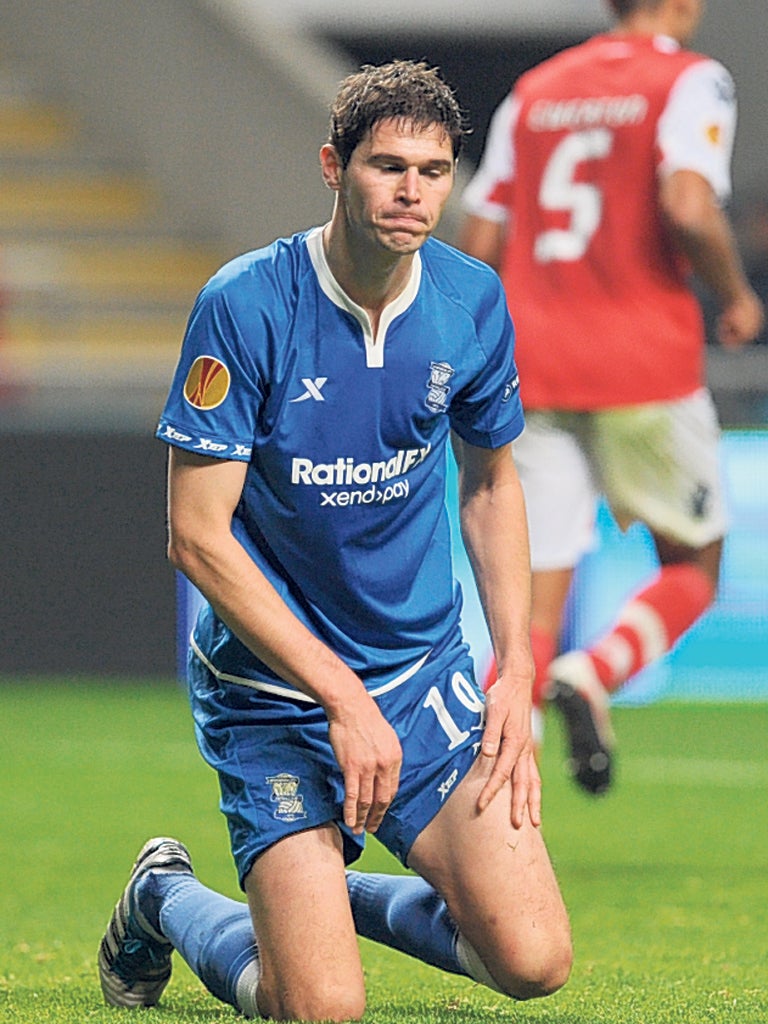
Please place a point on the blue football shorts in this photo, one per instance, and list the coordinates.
(278, 774)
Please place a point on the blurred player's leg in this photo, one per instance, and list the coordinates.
(574, 689)
(560, 495)
(549, 588)
(647, 627)
(660, 466)
(651, 622)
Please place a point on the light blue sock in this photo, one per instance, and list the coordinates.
(405, 913)
(213, 933)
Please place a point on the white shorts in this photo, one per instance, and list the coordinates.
(656, 463)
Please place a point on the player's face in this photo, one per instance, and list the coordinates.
(396, 184)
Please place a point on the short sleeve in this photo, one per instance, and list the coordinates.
(215, 396)
(697, 128)
(488, 194)
(488, 412)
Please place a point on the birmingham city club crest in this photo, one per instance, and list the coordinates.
(285, 793)
(437, 386)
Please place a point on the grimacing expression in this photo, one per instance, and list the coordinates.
(396, 183)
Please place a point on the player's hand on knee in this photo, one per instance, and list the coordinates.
(508, 742)
(369, 755)
(526, 789)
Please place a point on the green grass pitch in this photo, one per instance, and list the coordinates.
(666, 878)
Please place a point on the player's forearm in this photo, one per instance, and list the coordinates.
(496, 538)
(483, 239)
(712, 253)
(701, 230)
(243, 598)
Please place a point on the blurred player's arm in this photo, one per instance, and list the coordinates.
(703, 233)
(495, 533)
(202, 496)
(483, 239)
(486, 200)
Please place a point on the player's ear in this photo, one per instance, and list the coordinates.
(330, 164)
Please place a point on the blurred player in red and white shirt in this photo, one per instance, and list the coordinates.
(600, 190)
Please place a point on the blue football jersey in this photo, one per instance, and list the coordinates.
(343, 507)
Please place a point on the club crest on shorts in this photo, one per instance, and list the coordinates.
(207, 383)
(437, 386)
(285, 793)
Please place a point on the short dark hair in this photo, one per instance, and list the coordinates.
(404, 90)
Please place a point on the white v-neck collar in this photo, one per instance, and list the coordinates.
(374, 346)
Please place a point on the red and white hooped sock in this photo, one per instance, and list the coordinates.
(651, 622)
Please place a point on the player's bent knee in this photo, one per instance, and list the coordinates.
(533, 974)
(544, 982)
(327, 1003)
(534, 979)
(528, 970)
(312, 1010)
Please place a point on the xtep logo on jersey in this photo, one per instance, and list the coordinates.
(313, 389)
